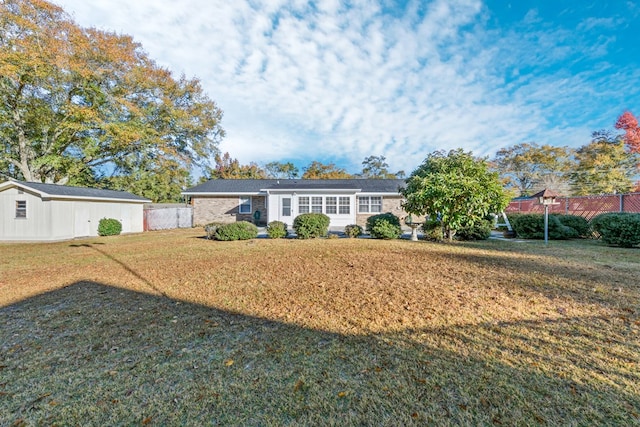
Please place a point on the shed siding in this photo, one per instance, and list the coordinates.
(60, 219)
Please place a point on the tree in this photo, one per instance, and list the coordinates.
(227, 167)
(277, 170)
(457, 188)
(84, 106)
(317, 170)
(629, 124)
(528, 167)
(376, 167)
(604, 166)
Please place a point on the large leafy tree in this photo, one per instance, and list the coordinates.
(604, 166)
(529, 167)
(317, 170)
(376, 167)
(455, 187)
(629, 124)
(227, 167)
(279, 170)
(84, 106)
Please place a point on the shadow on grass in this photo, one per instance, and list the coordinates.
(93, 354)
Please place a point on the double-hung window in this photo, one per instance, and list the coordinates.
(303, 204)
(245, 205)
(21, 208)
(316, 204)
(370, 204)
(331, 205)
(345, 206)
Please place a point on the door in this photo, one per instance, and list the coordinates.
(81, 220)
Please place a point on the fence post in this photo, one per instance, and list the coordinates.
(621, 202)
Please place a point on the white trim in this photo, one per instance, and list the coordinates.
(240, 204)
(46, 196)
(226, 194)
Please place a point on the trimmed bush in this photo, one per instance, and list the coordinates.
(384, 226)
(578, 223)
(432, 230)
(211, 228)
(353, 231)
(109, 227)
(241, 230)
(531, 226)
(481, 230)
(311, 225)
(619, 229)
(277, 230)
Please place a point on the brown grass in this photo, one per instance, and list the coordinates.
(168, 328)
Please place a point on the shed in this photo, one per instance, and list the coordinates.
(31, 211)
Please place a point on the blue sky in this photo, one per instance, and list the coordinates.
(338, 81)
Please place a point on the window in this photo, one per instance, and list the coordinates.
(316, 204)
(21, 208)
(372, 204)
(286, 206)
(245, 205)
(331, 205)
(345, 206)
(303, 205)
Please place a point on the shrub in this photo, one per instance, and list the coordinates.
(211, 228)
(109, 227)
(432, 230)
(353, 231)
(481, 230)
(311, 225)
(578, 223)
(384, 226)
(277, 230)
(619, 229)
(241, 230)
(531, 226)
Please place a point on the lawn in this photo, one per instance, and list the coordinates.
(167, 328)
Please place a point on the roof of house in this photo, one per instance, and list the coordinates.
(236, 186)
(55, 191)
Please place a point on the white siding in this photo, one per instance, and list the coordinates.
(62, 219)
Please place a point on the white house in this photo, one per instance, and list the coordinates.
(344, 201)
(31, 211)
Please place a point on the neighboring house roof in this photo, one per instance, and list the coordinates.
(255, 186)
(54, 191)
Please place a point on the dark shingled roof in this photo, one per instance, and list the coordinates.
(235, 186)
(72, 192)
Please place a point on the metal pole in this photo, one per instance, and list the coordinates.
(546, 224)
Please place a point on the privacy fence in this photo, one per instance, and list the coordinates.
(584, 206)
(167, 216)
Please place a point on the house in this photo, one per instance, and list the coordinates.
(344, 201)
(46, 212)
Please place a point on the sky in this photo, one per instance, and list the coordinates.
(337, 81)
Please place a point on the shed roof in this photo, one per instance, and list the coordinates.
(54, 191)
(238, 186)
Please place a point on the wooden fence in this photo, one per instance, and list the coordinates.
(167, 216)
(584, 206)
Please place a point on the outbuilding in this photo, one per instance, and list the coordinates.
(31, 211)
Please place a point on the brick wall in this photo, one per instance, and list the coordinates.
(225, 209)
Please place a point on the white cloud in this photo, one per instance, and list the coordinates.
(298, 81)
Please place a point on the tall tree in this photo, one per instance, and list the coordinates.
(317, 170)
(455, 187)
(604, 166)
(227, 167)
(528, 167)
(278, 170)
(629, 124)
(376, 167)
(80, 105)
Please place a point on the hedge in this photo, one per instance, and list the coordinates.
(241, 230)
(311, 225)
(619, 229)
(109, 227)
(384, 226)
